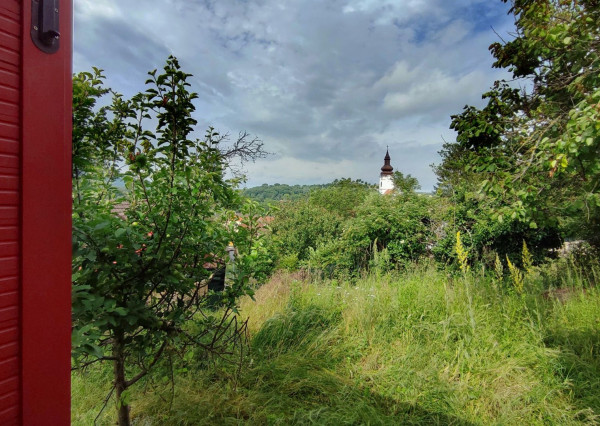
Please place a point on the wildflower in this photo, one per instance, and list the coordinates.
(462, 253)
(516, 276)
(498, 267)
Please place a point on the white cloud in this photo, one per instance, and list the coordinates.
(90, 9)
(389, 10)
(437, 93)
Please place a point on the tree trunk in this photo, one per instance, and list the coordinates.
(119, 374)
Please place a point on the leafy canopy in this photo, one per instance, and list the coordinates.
(533, 151)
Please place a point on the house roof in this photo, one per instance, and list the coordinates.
(120, 208)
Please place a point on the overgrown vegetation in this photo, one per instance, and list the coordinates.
(419, 347)
(531, 153)
(453, 308)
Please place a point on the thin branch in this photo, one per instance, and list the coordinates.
(244, 148)
(106, 399)
(87, 364)
(145, 370)
(499, 36)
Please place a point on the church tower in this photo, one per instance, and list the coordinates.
(386, 181)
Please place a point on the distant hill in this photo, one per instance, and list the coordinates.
(272, 193)
(266, 193)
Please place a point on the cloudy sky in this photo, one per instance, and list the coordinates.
(327, 84)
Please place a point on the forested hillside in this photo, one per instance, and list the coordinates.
(271, 193)
(266, 194)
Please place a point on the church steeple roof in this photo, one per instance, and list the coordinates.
(387, 168)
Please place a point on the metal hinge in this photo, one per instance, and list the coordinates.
(44, 25)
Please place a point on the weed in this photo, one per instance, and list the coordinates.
(516, 276)
(462, 253)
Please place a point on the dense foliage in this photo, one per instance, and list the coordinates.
(344, 228)
(532, 153)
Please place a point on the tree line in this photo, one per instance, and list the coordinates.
(268, 194)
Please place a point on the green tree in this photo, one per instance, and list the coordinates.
(405, 184)
(534, 151)
(139, 275)
(300, 227)
(395, 226)
(270, 194)
(342, 196)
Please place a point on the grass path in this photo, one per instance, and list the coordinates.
(418, 348)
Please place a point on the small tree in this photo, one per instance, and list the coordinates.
(405, 184)
(141, 252)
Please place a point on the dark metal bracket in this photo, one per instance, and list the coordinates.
(44, 25)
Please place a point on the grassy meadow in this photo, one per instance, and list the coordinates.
(418, 347)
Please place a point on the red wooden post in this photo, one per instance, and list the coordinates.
(35, 220)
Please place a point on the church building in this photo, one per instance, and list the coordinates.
(386, 181)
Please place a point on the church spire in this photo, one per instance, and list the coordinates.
(387, 168)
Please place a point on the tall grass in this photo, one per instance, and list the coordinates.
(420, 347)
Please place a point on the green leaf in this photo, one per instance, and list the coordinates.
(126, 397)
(121, 311)
(101, 225)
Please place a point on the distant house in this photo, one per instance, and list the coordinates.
(119, 209)
(261, 222)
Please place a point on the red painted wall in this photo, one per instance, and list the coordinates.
(35, 226)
